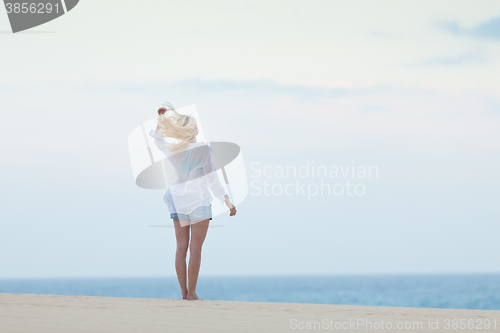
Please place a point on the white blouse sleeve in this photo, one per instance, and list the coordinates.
(212, 178)
(159, 140)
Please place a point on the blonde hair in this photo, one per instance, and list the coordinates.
(175, 125)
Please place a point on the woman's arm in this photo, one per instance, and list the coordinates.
(214, 183)
(159, 139)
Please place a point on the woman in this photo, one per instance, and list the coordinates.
(188, 199)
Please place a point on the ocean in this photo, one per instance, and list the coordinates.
(429, 291)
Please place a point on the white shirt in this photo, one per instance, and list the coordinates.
(195, 176)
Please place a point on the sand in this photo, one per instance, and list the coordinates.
(53, 313)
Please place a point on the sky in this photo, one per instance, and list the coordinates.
(410, 88)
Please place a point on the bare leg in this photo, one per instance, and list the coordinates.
(198, 234)
(182, 237)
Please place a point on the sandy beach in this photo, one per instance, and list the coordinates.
(53, 313)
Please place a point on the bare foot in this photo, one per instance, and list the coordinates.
(184, 296)
(193, 297)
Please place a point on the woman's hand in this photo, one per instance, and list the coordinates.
(229, 205)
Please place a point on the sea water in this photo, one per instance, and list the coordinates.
(430, 291)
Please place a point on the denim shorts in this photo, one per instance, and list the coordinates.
(200, 213)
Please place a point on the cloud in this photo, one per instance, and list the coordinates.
(261, 88)
(454, 60)
(384, 34)
(489, 29)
